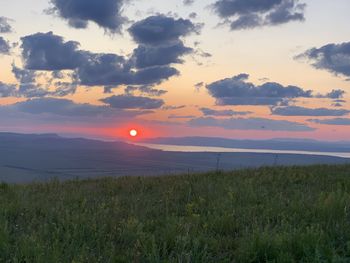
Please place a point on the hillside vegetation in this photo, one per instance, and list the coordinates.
(282, 214)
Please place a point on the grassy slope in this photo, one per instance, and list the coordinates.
(267, 215)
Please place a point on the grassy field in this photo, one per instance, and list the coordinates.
(295, 214)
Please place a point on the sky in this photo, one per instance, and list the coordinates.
(238, 69)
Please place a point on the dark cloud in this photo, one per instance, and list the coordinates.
(49, 52)
(46, 51)
(28, 87)
(188, 2)
(301, 111)
(133, 102)
(250, 124)
(199, 85)
(335, 94)
(147, 90)
(61, 113)
(114, 70)
(337, 104)
(336, 121)
(173, 107)
(5, 26)
(4, 46)
(334, 58)
(193, 15)
(7, 90)
(61, 107)
(161, 30)
(148, 56)
(211, 112)
(173, 116)
(159, 40)
(105, 13)
(237, 91)
(245, 14)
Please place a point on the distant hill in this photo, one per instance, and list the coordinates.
(273, 144)
(27, 158)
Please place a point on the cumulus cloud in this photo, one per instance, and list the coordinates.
(211, 112)
(160, 40)
(49, 52)
(301, 111)
(133, 102)
(159, 46)
(238, 91)
(334, 58)
(335, 94)
(162, 30)
(105, 13)
(5, 26)
(28, 87)
(250, 124)
(243, 14)
(148, 56)
(4, 46)
(46, 51)
(336, 121)
(7, 90)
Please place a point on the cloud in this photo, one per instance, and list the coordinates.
(159, 40)
(114, 70)
(4, 46)
(188, 2)
(335, 94)
(133, 102)
(237, 91)
(211, 112)
(5, 26)
(336, 121)
(173, 107)
(49, 52)
(334, 58)
(301, 111)
(62, 113)
(105, 13)
(199, 85)
(148, 56)
(243, 14)
(28, 87)
(162, 30)
(46, 51)
(173, 116)
(61, 107)
(250, 124)
(147, 90)
(7, 90)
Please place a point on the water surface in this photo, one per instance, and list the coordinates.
(181, 148)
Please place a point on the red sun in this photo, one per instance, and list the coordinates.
(133, 133)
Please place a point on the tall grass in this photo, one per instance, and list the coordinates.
(283, 214)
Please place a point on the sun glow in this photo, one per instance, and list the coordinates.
(133, 133)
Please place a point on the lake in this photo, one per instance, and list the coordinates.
(181, 148)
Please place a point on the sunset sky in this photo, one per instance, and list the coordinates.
(223, 68)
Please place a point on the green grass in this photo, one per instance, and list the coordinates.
(283, 214)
